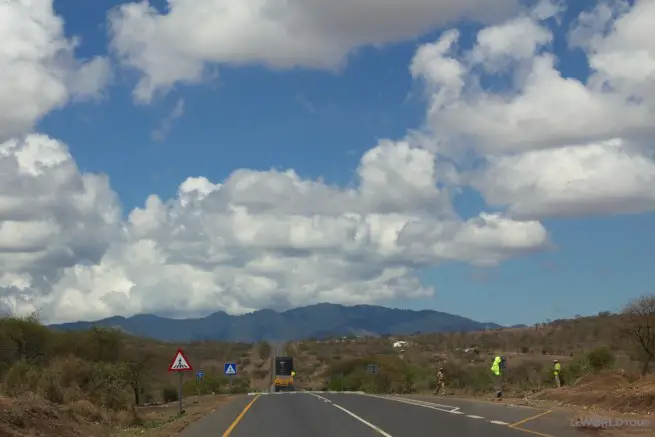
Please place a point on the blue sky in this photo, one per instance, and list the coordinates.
(319, 123)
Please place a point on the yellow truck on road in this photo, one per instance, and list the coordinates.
(284, 373)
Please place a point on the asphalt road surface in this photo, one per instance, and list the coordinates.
(321, 414)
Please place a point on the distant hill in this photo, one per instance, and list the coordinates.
(315, 321)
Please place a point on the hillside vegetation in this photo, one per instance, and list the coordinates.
(99, 376)
(101, 381)
(617, 348)
(319, 321)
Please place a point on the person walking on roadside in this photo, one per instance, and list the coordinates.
(441, 382)
(557, 368)
(497, 369)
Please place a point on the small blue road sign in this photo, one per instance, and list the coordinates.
(230, 369)
(200, 374)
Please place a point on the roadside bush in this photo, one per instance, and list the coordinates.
(260, 373)
(593, 361)
(170, 394)
(207, 385)
(600, 359)
(216, 384)
(71, 379)
(264, 349)
(529, 375)
(394, 375)
(23, 339)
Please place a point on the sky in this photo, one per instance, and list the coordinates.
(488, 158)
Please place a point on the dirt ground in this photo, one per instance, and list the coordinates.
(163, 420)
(32, 416)
(611, 391)
(612, 404)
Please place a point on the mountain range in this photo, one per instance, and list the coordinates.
(315, 321)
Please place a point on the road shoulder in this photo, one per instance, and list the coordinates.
(540, 421)
(164, 421)
(221, 416)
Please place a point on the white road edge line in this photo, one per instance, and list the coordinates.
(498, 422)
(321, 398)
(355, 416)
(417, 403)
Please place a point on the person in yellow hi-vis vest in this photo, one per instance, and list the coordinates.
(497, 369)
(557, 368)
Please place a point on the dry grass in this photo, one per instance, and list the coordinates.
(30, 415)
(610, 391)
(87, 383)
(164, 420)
(599, 363)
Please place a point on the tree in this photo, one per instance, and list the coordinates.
(264, 350)
(102, 344)
(137, 361)
(640, 316)
(24, 339)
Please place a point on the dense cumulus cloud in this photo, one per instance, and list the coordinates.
(178, 45)
(259, 239)
(549, 146)
(38, 71)
(552, 145)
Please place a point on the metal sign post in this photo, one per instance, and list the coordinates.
(199, 377)
(180, 364)
(179, 390)
(372, 369)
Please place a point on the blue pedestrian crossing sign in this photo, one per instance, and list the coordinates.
(230, 369)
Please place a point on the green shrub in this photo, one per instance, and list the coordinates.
(70, 379)
(24, 339)
(170, 394)
(260, 373)
(264, 349)
(600, 359)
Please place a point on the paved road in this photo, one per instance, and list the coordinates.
(528, 420)
(304, 414)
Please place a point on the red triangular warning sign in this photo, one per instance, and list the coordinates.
(180, 363)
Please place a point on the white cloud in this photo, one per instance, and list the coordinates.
(164, 127)
(549, 145)
(542, 108)
(51, 217)
(599, 178)
(38, 72)
(553, 145)
(259, 239)
(178, 45)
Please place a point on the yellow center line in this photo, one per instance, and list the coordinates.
(239, 417)
(521, 422)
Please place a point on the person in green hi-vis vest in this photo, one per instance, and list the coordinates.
(497, 368)
(557, 368)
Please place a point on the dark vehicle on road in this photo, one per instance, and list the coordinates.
(283, 374)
